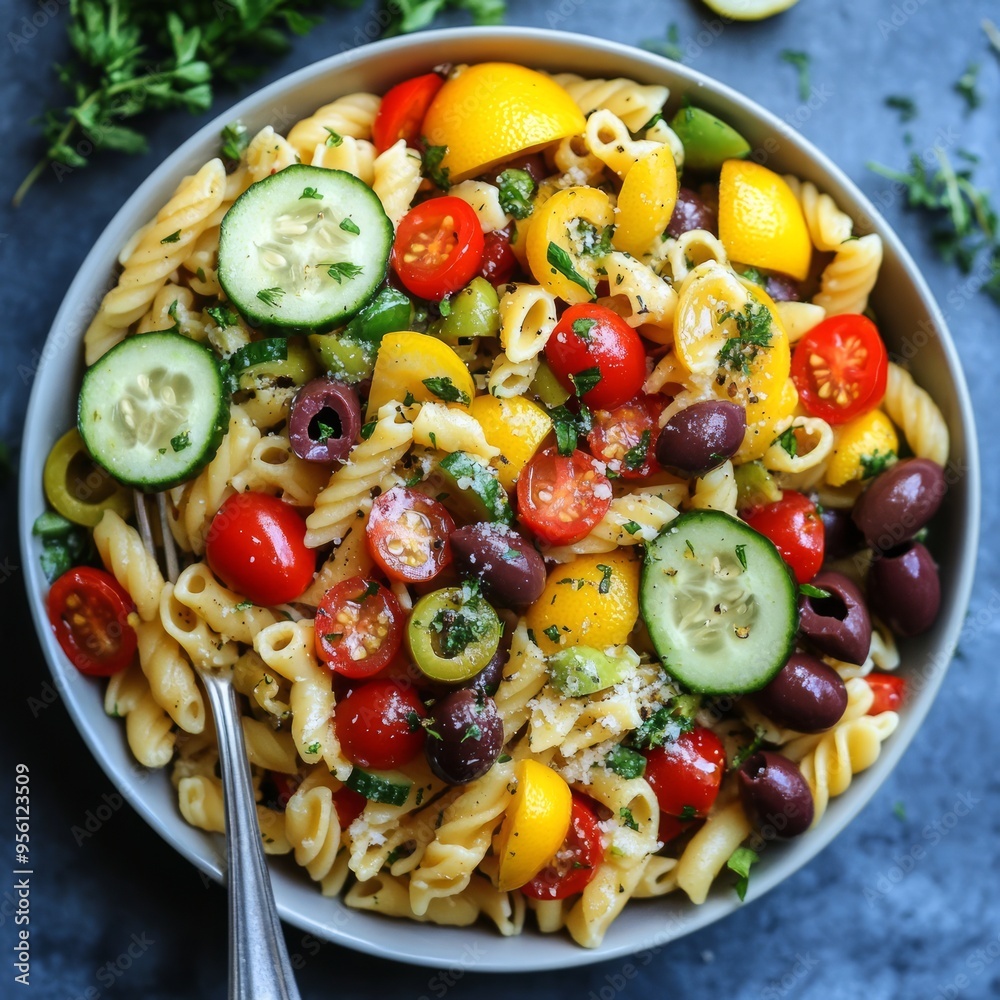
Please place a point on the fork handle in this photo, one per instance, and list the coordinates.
(259, 968)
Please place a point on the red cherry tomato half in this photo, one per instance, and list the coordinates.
(402, 111)
(589, 341)
(796, 529)
(378, 725)
(671, 827)
(889, 691)
(88, 611)
(359, 627)
(686, 774)
(562, 497)
(575, 863)
(498, 263)
(282, 787)
(438, 247)
(256, 545)
(408, 535)
(349, 805)
(840, 368)
(625, 438)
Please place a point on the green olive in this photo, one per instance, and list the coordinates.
(546, 389)
(755, 486)
(343, 357)
(79, 489)
(708, 141)
(452, 634)
(297, 368)
(582, 670)
(472, 312)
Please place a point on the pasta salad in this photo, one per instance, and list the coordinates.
(540, 475)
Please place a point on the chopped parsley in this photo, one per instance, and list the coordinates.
(314, 747)
(808, 590)
(350, 226)
(517, 188)
(333, 138)
(394, 855)
(325, 432)
(605, 585)
(632, 527)
(172, 238)
(413, 722)
(458, 628)
(235, 139)
(445, 389)
(752, 274)
(243, 606)
(904, 105)
(635, 457)
(333, 636)
(472, 733)
(594, 242)
(568, 426)
(627, 818)
(367, 430)
(310, 192)
(181, 441)
(370, 591)
(512, 555)
(753, 333)
(788, 442)
(688, 813)
(740, 861)
(271, 296)
(552, 632)
(663, 726)
(748, 751)
(585, 380)
(741, 555)
(800, 60)
(582, 328)
(562, 263)
(438, 175)
(689, 547)
(343, 269)
(965, 87)
(625, 762)
(223, 316)
(878, 461)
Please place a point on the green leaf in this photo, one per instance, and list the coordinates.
(585, 380)
(800, 60)
(635, 457)
(344, 269)
(808, 590)
(627, 818)
(271, 296)
(445, 389)
(904, 105)
(432, 157)
(310, 192)
(625, 762)
(235, 139)
(740, 861)
(582, 328)
(966, 86)
(753, 334)
(606, 572)
(517, 188)
(172, 238)
(876, 463)
(350, 226)
(563, 263)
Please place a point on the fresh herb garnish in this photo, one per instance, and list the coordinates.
(808, 590)
(741, 555)
(568, 426)
(333, 139)
(223, 316)
(632, 527)
(788, 442)
(235, 139)
(746, 752)
(635, 457)
(343, 269)
(445, 389)
(271, 296)
(965, 86)
(172, 238)
(181, 441)
(606, 572)
(878, 461)
(627, 818)
(904, 105)
(517, 188)
(412, 15)
(663, 726)
(325, 432)
(625, 762)
(800, 60)
(333, 636)
(458, 628)
(562, 263)
(753, 333)
(472, 733)
(310, 192)
(740, 861)
(594, 242)
(350, 226)
(368, 429)
(432, 157)
(243, 606)
(585, 380)
(582, 328)
(552, 632)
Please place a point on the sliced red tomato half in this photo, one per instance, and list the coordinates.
(402, 111)
(575, 863)
(625, 438)
(438, 247)
(88, 611)
(686, 774)
(359, 627)
(408, 535)
(562, 497)
(840, 368)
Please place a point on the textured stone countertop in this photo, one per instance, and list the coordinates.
(849, 924)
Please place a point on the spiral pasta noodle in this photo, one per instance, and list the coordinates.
(914, 411)
(350, 116)
(849, 278)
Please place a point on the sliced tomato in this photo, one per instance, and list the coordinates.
(685, 774)
(402, 111)
(408, 535)
(575, 863)
(88, 610)
(378, 725)
(595, 353)
(438, 247)
(889, 691)
(840, 368)
(795, 527)
(278, 788)
(562, 497)
(349, 805)
(625, 438)
(671, 827)
(256, 545)
(359, 627)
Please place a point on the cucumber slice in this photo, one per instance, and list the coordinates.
(719, 602)
(304, 248)
(377, 788)
(152, 411)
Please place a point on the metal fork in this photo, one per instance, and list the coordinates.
(259, 968)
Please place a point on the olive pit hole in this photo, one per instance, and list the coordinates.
(829, 607)
(326, 425)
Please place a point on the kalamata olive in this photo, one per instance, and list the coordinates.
(511, 571)
(904, 589)
(775, 795)
(806, 695)
(782, 288)
(464, 736)
(325, 421)
(701, 437)
(498, 262)
(899, 502)
(691, 212)
(838, 625)
(841, 537)
(488, 679)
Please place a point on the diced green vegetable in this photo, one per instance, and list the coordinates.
(708, 141)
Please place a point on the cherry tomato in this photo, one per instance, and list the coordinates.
(279, 788)
(625, 437)
(562, 497)
(686, 774)
(349, 805)
(889, 691)
(378, 725)
(796, 529)
(671, 827)
(88, 611)
(359, 627)
(256, 545)
(575, 863)
(840, 368)
(408, 535)
(591, 340)
(402, 111)
(438, 247)
(499, 263)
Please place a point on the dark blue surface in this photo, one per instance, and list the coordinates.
(903, 904)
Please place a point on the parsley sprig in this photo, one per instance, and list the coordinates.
(753, 334)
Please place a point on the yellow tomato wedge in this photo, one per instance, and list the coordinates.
(535, 824)
(749, 10)
(405, 360)
(598, 607)
(760, 220)
(646, 201)
(865, 441)
(571, 222)
(493, 111)
(516, 426)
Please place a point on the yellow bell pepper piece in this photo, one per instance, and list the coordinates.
(516, 426)
(870, 438)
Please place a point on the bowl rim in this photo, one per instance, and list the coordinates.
(681, 919)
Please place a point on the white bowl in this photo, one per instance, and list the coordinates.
(913, 327)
